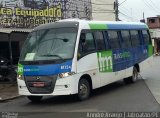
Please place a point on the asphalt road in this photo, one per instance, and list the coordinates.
(116, 97)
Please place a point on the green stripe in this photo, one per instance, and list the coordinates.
(150, 50)
(98, 26)
(20, 69)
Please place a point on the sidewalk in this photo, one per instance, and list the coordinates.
(151, 77)
(8, 91)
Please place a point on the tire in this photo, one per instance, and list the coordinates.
(84, 89)
(133, 78)
(35, 99)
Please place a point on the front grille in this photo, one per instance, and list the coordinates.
(46, 84)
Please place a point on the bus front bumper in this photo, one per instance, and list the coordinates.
(65, 86)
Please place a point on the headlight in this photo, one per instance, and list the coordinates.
(63, 75)
(20, 77)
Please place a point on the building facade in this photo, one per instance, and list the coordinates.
(103, 10)
(31, 13)
(154, 26)
(19, 17)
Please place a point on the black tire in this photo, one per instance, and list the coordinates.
(84, 89)
(133, 78)
(35, 99)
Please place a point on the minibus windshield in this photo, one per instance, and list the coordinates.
(49, 44)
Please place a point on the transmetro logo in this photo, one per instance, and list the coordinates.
(105, 61)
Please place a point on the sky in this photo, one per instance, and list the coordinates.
(132, 10)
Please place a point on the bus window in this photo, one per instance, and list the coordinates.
(113, 39)
(126, 42)
(87, 43)
(145, 36)
(99, 41)
(135, 38)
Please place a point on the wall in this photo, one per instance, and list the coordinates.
(155, 33)
(153, 22)
(17, 40)
(154, 26)
(103, 10)
(31, 13)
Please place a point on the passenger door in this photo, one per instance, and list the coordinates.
(87, 57)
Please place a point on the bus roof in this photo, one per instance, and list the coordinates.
(108, 24)
(101, 25)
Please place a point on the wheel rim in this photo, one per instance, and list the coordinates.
(83, 90)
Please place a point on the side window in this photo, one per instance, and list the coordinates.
(99, 40)
(135, 39)
(113, 39)
(146, 36)
(90, 44)
(126, 41)
(87, 43)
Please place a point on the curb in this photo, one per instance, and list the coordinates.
(10, 98)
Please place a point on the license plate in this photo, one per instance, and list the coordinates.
(38, 84)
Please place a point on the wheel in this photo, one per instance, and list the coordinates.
(83, 90)
(35, 99)
(133, 78)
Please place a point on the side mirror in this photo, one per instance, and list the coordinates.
(83, 38)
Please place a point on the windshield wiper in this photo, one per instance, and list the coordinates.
(51, 55)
